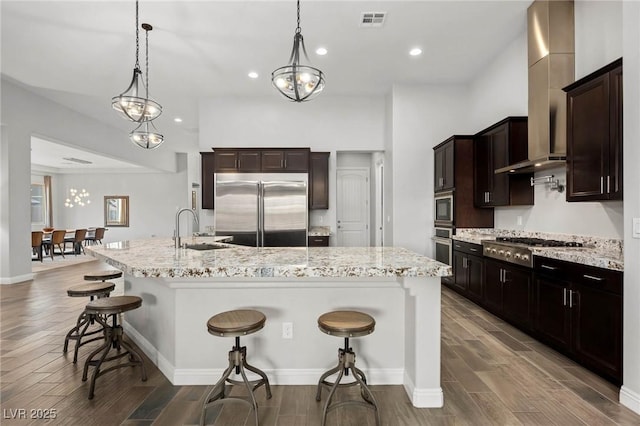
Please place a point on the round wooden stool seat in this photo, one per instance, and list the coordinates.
(113, 305)
(236, 323)
(103, 275)
(346, 323)
(93, 289)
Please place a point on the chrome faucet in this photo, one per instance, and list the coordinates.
(178, 223)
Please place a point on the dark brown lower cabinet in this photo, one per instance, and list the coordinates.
(468, 270)
(579, 312)
(508, 292)
(318, 241)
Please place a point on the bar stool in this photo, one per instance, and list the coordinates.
(346, 324)
(78, 332)
(235, 324)
(103, 275)
(114, 339)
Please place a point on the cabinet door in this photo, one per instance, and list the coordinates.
(207, 163)
(296, 160)
(249, 161)
(614, 183)
(438, 168)
(460, 272)
(475, 267)
(597, 329)
(318, 242)
(319, 180)
(516, 295)
(225, 161)
(499, 183)
(587, 137)
(493, 286)
(551, 314)
(481, 166)
(272, 160)
(448, 167)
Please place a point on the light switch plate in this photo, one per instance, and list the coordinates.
(636, 227)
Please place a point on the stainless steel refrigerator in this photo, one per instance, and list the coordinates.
(262, 209)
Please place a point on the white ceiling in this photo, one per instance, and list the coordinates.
(81, 53)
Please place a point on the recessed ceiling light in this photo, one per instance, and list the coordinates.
(253, 74)
(415, 51)
(321, 51)
(178, 120)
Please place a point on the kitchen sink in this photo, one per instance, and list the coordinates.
(204, 246)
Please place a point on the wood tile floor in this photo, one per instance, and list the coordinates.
(492, 374)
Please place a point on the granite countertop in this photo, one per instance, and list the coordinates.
(319, 231)
(157, 257)
(599, 252)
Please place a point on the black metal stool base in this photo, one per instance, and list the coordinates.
(237, 362)
(346, 364)
(79, 332)
(113, 340)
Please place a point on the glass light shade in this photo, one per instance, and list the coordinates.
(146, 136)
(133, 107)
(296, 81)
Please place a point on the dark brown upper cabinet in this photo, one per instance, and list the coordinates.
(207, 161)
(285, 160)
(319, 180)
(594, 135)
(444, 167)
(236, 160)
(498, 146)
(453, 172)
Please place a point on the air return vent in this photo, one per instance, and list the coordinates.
(77, 160)
(372, 19)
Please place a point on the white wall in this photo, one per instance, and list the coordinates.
(153, 201)
(630, 392)
(422, 118)
(327, 124)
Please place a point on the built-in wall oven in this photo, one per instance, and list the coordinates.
(442, 240)
(443, 214)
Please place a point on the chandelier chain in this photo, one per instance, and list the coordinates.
(146, 70)
(298, 29)
(137, 38)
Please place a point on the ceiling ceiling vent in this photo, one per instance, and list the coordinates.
(372, 19)
(77, 160)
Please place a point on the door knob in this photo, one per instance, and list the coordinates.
(339, 226)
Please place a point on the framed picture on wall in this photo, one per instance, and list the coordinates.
(116, 210)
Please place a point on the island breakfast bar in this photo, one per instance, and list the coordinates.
(181, 289)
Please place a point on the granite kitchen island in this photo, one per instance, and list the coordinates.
(181, 289)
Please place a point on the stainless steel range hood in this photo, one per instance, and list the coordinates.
(550, 36)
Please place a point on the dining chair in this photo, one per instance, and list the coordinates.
(57, 239)
(95, 237)
(36, 243)
(76, 240)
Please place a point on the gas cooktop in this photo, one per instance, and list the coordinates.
(517, 249)
(538, 242)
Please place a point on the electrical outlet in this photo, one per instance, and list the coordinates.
(635, 232)
(287, 330)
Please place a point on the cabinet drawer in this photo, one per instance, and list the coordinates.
(318, 241)
(590, 276)
(469, 248)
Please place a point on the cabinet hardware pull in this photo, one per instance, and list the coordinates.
(552, 268)
(602, 184)
(285, 163)
(591, 277)
(458, 245)
(564, 297)
(235, 163)
(608, 184)
(501, 272)
(570, 298)
(318, 240)
(505, 276)
(472, 249)
(282, 166)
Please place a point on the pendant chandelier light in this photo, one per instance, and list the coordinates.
(130, 104)
(146, 135)
(296, 81)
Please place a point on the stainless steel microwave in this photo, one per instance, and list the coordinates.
(443, 214)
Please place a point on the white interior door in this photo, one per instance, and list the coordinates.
(352, 207)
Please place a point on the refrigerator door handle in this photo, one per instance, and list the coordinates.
(261, 214)
(258, 225)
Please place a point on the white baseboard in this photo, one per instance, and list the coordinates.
(630, 399)
(164, 365)
(423, 397)
(16, 279)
